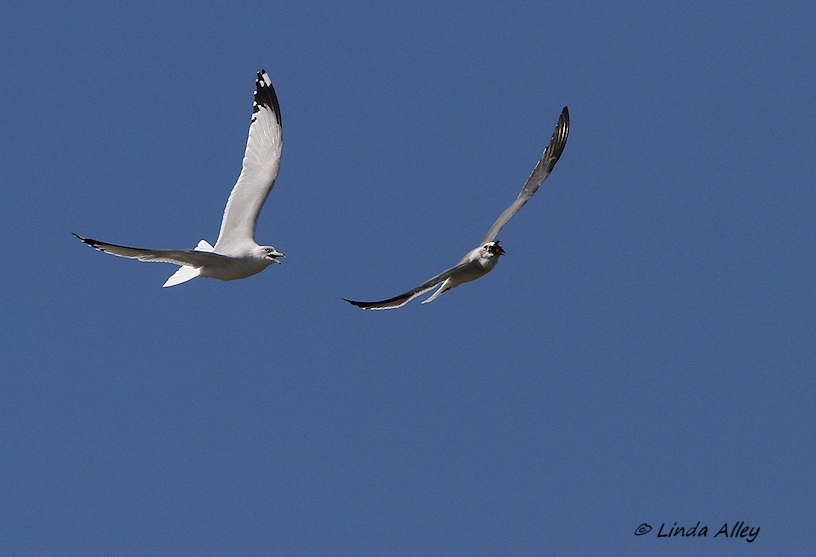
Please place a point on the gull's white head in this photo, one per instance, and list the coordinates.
(492, 249)
(486, 255)
(267, 253)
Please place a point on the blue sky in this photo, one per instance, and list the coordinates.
(644, 353)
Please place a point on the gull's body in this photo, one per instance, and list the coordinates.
(481, 260)
(235, 255)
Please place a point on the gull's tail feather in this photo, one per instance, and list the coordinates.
(204, 245)
(185, 272)
(445, 286)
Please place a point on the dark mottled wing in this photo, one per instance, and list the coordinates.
(179, 257)
(551, 154)
(402, 299)
(260, 168)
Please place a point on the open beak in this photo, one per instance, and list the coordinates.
(274, 255)
(497, 249)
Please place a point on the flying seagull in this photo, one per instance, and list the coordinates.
(481, 260)
(235, 254)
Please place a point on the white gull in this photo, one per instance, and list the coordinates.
(481, 260)
(235, 255)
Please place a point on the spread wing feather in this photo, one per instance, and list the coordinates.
(402, 299)
(192, 258)
(259, 170)
(548, 159)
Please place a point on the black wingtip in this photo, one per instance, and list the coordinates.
(362, 305)
(564, 119)
(559, 137)
(265, 96)
(84, 240)
(566, 122)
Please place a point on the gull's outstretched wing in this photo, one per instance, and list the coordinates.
(540, 173)
(402, 299)
(260, 168)
(192, 258)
